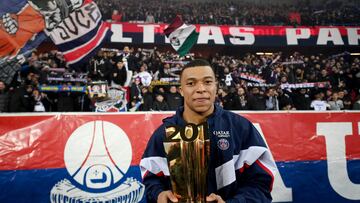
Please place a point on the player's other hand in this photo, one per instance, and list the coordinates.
(167, 195)
(214, 198)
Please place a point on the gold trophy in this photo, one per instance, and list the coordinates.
(187, 150)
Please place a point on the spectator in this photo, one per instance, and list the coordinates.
(301, 99)
(347, 103)
(66, 102)
(271, 102)
(38, 106)
(167, 72)
(116, 16)
(173, 98)
(125, 55)
(144, 75)
(147, 99)
(118, 74)
(160, 104)
(134, 105)
(356, 105)
(285, 101)
(318, 104)
(341, 94)
(241, 100)
(335, 103)
(257, 100)
(83, 102)
(100, 67)
(229, 100)
(149, 18)
(275, 71)
(220, 96)
(131, 61)
(236, 13)
(4, 97)
(228, 80)
(324, 76)
(21, 99)
(135, 90)
(295, 18)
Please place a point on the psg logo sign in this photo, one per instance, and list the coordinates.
(97, 156)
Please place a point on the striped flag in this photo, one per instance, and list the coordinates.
(81, 34)
(182, 36)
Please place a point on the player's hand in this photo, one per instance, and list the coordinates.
(214, 198)
(10, 24)
(165, 196)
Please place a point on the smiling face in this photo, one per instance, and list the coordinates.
(198, 87)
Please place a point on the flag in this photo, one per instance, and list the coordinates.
(17, 31)
(81, 34)
(182, 36)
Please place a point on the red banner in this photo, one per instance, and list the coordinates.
(142, 33)
(321, 148)
(257, 29)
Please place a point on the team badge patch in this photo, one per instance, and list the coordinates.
(223, 144)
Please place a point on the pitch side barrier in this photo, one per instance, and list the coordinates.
(94, 157)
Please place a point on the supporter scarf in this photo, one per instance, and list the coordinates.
(62, 88)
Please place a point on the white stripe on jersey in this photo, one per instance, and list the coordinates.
(154, 165)
(225, 174)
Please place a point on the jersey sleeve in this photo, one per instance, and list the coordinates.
(153, 166)
(255, 169)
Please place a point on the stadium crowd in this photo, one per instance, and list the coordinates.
(150, 78)
(330, 12)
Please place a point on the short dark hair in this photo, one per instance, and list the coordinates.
(196, 63)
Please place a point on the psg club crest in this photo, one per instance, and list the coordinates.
(223, 144)
(97, 156)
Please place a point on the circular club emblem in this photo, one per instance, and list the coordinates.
(223, 144)
(97, 155)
